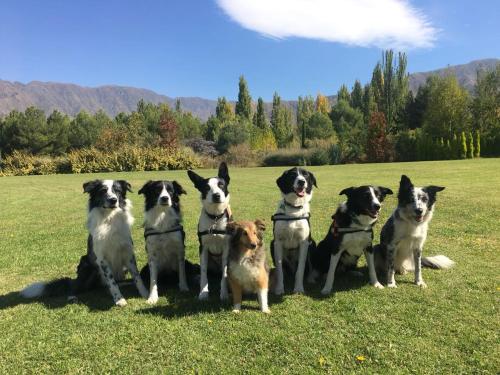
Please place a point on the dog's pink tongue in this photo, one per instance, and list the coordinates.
(299, 193)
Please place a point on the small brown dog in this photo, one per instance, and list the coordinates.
(247, 268)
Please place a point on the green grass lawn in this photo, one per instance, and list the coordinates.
(450, 327)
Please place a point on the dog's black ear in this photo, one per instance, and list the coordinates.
(433, 189)
(196, 179)
(231, 227)
(90, 185)
(405, 182)
(312, 179)
(125, 185)
(347, 191)
(145, 188)
(281, 181)
(178, 188)
(260, 225)
(224, 172)
(382, 192)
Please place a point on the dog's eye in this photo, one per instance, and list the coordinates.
(245, 233)
(424, 199)
(220, 184)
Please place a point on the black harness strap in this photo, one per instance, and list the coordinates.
(212, 231)
(152, 232)
(283, 217)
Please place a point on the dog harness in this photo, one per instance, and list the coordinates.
(153, 232)
(336, 230)
(212, 230)
(284, 217)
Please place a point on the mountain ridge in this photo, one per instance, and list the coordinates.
(71, 98)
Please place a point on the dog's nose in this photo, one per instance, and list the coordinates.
(216, 196)
(301, 182)
(253, 246)
(419, 211)
(164, 199)
(376, 206)
(112, 200)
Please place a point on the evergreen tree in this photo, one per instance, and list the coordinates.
(223, 110)
(477, 144)
(357, 96)
(243, 107)
(377, 84)
(281, 122)
(463, 146)
(58, 131)
(343, 94)
(369, 104)
(259, 119)
(305, 109)
(178, 105)
(470, 146)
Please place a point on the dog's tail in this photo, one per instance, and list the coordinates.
(52, 288)
(437, 262)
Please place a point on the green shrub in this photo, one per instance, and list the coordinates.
(91, 160)
(477, 144)
(23, 164)
(132, 158)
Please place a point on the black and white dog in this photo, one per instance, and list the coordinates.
(403, 236)
(110, 250)
(292, 231)
(163, 234)
(214, 216)
(349, 236)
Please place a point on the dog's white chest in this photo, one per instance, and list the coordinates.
(291, 233)
(356, 243)
(166, 248)
(245, 273)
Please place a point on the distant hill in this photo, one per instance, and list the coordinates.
(71, 98)
(466, 73)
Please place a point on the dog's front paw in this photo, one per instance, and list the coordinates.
(298, 290)
(122, 302)
(236, 310)
(266, 311)
(279, 290)
(203, 296)
(392, 285)
(421, 284)
(326, 291)
(152, 300)
(378, 285)
(224, 295)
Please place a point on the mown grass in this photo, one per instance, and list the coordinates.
(451, 327)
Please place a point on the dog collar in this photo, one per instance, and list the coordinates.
(336, 230)
(217, 217)
(153, 232)
(292, 206)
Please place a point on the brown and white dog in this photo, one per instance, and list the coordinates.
(247, 269)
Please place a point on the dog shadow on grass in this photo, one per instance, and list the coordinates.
(95, 300)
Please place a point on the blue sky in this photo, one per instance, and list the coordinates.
(200, 47)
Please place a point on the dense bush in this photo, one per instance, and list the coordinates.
(325, 154)
(92, 160)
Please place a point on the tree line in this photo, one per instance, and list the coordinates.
(382, 120)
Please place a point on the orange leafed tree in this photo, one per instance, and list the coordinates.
(378, 147)
(168, 130)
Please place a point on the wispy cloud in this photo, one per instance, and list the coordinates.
(380, 23)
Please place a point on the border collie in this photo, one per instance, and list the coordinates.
(110, 250)
(349, 236)
(292, 230)
(247, 268)
(214, 216)
(163, 234)
(403, 235)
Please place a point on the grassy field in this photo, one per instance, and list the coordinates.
(451, 327)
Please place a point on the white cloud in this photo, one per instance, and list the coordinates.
(380, 23)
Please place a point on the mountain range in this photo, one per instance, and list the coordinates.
(70, 98)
